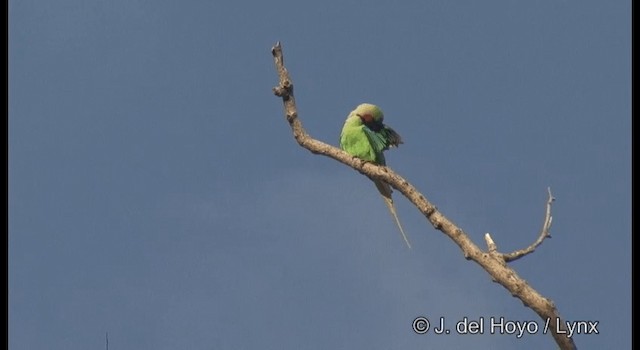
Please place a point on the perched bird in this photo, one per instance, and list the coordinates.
(366, 137)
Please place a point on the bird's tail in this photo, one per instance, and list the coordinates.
(385, 191)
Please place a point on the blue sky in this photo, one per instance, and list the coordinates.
(156, 192)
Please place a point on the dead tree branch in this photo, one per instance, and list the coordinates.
(492, 261)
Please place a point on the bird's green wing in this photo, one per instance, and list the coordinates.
(381, 140)
(378, 144)
(377, 140)
(392, 137)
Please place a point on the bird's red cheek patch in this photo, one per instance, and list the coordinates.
(366, 118)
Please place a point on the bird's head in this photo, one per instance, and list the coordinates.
(369, 113)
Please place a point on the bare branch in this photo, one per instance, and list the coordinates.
(494, 264)
(544, 233)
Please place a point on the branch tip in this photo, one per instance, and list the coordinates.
(491, 245)
(276, 49)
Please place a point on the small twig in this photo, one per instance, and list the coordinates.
(491, 245)
(544, 233)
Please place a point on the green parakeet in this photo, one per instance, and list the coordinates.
(366, 137)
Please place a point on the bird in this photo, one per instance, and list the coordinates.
(364, 136)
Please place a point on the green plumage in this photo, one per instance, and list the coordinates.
(365, 136)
